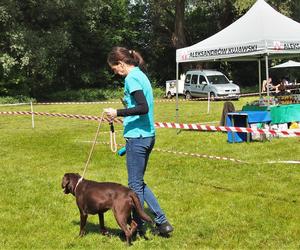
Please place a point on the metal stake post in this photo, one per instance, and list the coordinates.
(32, 115)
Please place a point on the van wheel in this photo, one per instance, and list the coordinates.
(169, 95)
(212, 96)
(188, 96)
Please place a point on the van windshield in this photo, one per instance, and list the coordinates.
(217, 79)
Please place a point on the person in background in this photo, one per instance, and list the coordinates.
(267, 84)
(139, 131)
(284, 85)
(285, 81)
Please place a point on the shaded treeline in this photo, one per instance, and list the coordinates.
(54, 45)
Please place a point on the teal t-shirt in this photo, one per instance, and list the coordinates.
(138, 125)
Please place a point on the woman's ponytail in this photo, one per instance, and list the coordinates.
(130, 57)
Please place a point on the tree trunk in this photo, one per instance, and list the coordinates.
(178, 38)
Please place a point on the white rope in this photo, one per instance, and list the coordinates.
(112, 142)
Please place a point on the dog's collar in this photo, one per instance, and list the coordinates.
(80, 180)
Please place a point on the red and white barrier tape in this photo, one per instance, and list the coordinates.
(212, 157)
(14, 104)
(102, 102)
(225, 128)
(199, 155)
(74, 103)
(198, 127)
(81, 117)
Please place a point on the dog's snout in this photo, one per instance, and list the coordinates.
(63, 182)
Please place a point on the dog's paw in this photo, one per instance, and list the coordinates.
(105, 232)
(144, 236)
(81, 234)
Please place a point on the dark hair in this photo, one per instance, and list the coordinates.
(127, 56)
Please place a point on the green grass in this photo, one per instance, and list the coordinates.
(211, 203)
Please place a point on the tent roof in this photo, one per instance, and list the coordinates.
(287, 64)
(262, 30)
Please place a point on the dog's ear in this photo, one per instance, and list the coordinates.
(73, 179)
(69, 182)
(65, 183)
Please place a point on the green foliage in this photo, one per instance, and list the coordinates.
(50, 46)
(61, 45)
(243, 5)
(81, 95)
(285, 6)
(159, 92)
(16, 99)
(93, 95)
(86, 95)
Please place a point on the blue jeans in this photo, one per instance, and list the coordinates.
(137, 155)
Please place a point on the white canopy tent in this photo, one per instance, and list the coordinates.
(288, 64)
(261, 33)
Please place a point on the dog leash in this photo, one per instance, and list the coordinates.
(113, 145)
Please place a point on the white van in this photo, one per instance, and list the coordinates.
(171, 87)
(199, 83)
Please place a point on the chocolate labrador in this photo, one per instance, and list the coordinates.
(97, 197)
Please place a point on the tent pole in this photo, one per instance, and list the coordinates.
(177, 109)
(267, 77)
(259, 77)
(208, 102)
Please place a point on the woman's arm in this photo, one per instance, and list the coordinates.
(141, 107)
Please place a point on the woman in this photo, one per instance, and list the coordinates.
(139, 131)
(267, 84)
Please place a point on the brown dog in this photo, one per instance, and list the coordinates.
(97, 197)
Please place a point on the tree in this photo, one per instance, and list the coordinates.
(178, 38)
(56, 45)
(52, 45)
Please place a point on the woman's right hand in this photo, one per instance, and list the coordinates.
(111, 113)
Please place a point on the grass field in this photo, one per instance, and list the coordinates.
(212, 204)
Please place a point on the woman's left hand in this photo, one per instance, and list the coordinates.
(110, 112)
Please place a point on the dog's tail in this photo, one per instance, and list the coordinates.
(139, 208)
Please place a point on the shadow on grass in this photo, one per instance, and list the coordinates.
(92, 228)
